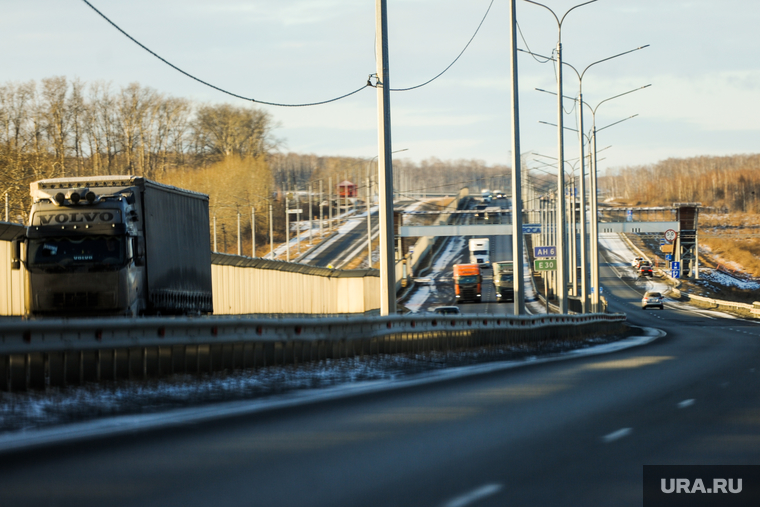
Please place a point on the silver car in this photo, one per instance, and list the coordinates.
(651, 299)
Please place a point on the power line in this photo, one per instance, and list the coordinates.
(216, 87)
(455, 59)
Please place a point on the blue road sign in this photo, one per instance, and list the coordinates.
(531, 228)
(675, 269)
(545, 251)
(629, 215)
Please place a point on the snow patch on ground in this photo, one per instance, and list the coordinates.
(716, 277)
(417, 300)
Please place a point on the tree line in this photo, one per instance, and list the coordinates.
(731, 182)
(62, 127)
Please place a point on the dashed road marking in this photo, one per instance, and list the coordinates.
(474, 495)
(616, 435)
(686, 403)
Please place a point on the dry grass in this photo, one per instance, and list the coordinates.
(736, 253)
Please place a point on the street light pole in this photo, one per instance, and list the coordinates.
(561, 233)
(385, 164)
(517, 234)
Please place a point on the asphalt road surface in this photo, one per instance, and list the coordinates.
(574, 432)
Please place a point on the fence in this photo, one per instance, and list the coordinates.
(57, 352)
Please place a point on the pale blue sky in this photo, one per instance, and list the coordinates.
(702, 65)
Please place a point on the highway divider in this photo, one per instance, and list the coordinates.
(57, 352)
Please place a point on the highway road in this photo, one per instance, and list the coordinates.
(573, 432)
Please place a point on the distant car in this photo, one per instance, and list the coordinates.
(651, 299)
(645, 269)
(447, 310)
(635, 262)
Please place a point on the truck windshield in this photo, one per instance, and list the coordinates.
(504, 278)
(468, 279)
(105, 252)
(480, 252)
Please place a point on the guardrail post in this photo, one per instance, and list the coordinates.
(17, 369)
(36, 363)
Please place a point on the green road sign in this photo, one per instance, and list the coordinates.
(545, 264)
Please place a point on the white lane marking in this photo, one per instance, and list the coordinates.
(616, 435)
(474, 495)
(686, 403)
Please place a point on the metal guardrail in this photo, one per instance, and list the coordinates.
(58, 352)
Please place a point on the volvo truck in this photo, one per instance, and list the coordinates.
(467, 283)
(115, 245)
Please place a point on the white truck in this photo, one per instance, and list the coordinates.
(480, 252)
(503, 281)
(115, 245)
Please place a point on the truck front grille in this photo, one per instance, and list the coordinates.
(76, 300)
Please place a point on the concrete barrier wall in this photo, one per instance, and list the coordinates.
(12, 287)
(12, 290)
(242, 285)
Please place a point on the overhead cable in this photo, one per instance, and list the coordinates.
(455, 59)
(216, 87)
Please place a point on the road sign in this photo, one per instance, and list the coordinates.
(670, 235)
(666, 248)
(531, 228)
(675, 269)
(545, 251)
(295, 211)
(545, 265)
(629, 215)
(663, 241)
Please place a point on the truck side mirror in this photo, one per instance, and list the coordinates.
(16, 253)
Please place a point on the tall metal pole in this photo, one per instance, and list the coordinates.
(517, 235)
(369, 225)
(385, 164)
(329, 204)
(594, 226)
(7, 207)
(271, 232)
(561, 250)
(287, 230)
(253, 231)
(239, 238)
(584, 232)
(321, 217)
(311, 216)
(215, 247)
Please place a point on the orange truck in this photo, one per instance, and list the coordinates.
(467, 282)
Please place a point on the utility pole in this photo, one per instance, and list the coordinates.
(215, 247)
(329, 204)
(517, 236)
(239, 238)
(369, 227)
(311, 216)
(271, 232)
(287, 229)
(320, 210)
(253, 231)
(385, 163)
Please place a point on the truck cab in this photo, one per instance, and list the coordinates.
(467, 283)
(115, 245)
(503, 281)
(83, 250)
(480, 252)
